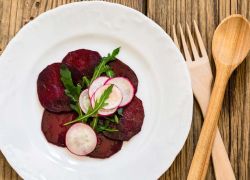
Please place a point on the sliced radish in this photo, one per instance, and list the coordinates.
(102, 112)
(125, 86)
(92, 101)
(80, 139)
(97, 84)
(114, 99)
(106, 112)
(84, 101)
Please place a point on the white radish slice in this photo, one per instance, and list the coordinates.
(81, 139)
(84, 101)
(114, 99)
(92, 101)
(125, 86)
(102, 112)
(97, 84)
(106, 112)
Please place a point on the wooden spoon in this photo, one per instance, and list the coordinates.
(230, 45)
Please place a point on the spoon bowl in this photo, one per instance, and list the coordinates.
(231, 41)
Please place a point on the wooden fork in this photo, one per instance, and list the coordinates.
(201, 77)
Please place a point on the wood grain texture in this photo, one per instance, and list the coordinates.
(230, 46)
(235, 117)
(234, 121)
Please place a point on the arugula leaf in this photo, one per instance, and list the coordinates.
(71, 90)
(85, 81)
(110, 73)
(99, 104)
(111, 130)
(93, 124)
(106, 124)
(115, 119)
(77, 108)
(103, 67)
(102, 128)
(105, 127)
(120, 111)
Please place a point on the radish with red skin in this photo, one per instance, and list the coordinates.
(84, 101)
(102, 112)
(126, 88)
(92, 101)
(107, 112)
(114, 99)
(99, 82)
(81, 139)
(123, 70)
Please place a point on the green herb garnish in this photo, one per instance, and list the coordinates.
(94, 123)
(105, 127)
(114, 119)
(120, 111)
(110, 73)
(76, 107)
(103, 67)
(71, 90)
(102, 129)
(85, 81)
(99, 104)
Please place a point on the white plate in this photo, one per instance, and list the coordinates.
(164, 87)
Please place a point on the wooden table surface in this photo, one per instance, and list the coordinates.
(235, 117)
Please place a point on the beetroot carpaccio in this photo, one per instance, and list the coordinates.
(50, 89)
(82, 62)
(53, 128)
(70, 114)
(130, 123)
(124, 70)
(105, 147)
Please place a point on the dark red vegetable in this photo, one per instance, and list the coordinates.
(50, 89)
(82, 62)
(130, 123)
(105, 147)
(123, 70)
(53, 128)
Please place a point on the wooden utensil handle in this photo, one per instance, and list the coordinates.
(207, 162)
(203, 149)
(222, 166)
(221, 162)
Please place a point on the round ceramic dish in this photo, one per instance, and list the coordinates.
(164, 87)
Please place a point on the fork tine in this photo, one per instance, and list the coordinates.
(175, 37)
(184, 45)
(199, 38)
(194, 50)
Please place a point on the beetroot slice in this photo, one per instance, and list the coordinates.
(82, 62)
(130, 123)
(53, 128)
(50, 89)
(123, 70)
(105, 147)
